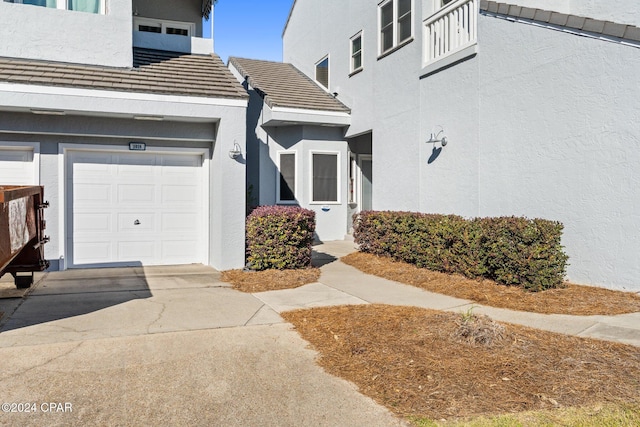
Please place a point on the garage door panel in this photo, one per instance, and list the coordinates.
(16, 167)
(180, 251)
(184, 222)
(134, 162)
(180, 194)
(180, 164)
(136, 222)
(137, 193)
(89, 194)
(91, 163)
(92, 222)
(143, 208)
(143, 251)
(93, 252)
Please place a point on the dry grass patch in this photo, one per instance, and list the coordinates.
(417, 362)
(270, 280)
(572, 299)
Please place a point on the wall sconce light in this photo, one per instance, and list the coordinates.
(236, 151)
(436, 137)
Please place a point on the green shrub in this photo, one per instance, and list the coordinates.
(523, 252)
(512, 251)
(280, 237)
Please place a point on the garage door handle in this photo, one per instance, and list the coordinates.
(136, 222)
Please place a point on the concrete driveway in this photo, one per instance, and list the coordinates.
(165, 346)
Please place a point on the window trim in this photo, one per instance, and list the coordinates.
(62, 5)
(352, 68)
(189, 26)
(397, 44)
(326, 57)
(338, 178)
(295, 178)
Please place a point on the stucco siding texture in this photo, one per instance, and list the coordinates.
(596, 26)
(283, 85)
(559, 139)
(153, 72)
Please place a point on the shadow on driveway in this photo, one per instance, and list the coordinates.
(65, 294)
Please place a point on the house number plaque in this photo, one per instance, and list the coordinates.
(137, 146)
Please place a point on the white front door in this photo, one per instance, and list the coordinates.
(17, 165)
(135, 209)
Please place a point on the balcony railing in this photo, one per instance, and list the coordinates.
(450, 30)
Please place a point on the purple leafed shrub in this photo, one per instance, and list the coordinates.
(280, 237)
(509, 250)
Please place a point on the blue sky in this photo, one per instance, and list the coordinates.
(250, 28)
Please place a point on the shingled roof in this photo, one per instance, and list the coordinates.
(154, 71)
(283, 85)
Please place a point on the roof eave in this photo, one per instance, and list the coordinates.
(291, 116)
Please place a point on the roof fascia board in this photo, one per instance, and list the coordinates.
(118, 95)
(20, 97)
(276, 115)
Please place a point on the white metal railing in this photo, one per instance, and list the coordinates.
(450, 30)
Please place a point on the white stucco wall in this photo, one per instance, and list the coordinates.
(449, 175)
(559, 140)
(60, 35)
(228, 189)
(562, 6)
(620, 11)
(382, 97)
(540, 123)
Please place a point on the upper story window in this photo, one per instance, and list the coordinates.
(445, 2)
(396, 25)
(149, 25)
(322, 72)
(356, 52)
(90, 6)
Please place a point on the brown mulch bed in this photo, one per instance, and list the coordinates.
(571, 299)
(425, 363)
(269, 280)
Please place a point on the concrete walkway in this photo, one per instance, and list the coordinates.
(343, 284)
(176, 346)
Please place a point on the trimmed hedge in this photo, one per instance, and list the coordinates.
(509, 250)
(280, 237)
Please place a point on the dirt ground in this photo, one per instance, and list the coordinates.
(438, 365)
(571, 299)
(270, 280)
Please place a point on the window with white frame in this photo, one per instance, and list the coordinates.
(396, 24)
(149, 25)
(322, 72)
(324, 180)
(445, 2)
(286, 184)
(89, 6)
(356, 52)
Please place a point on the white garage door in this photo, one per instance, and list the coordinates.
(17, 166)
(135, 209)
